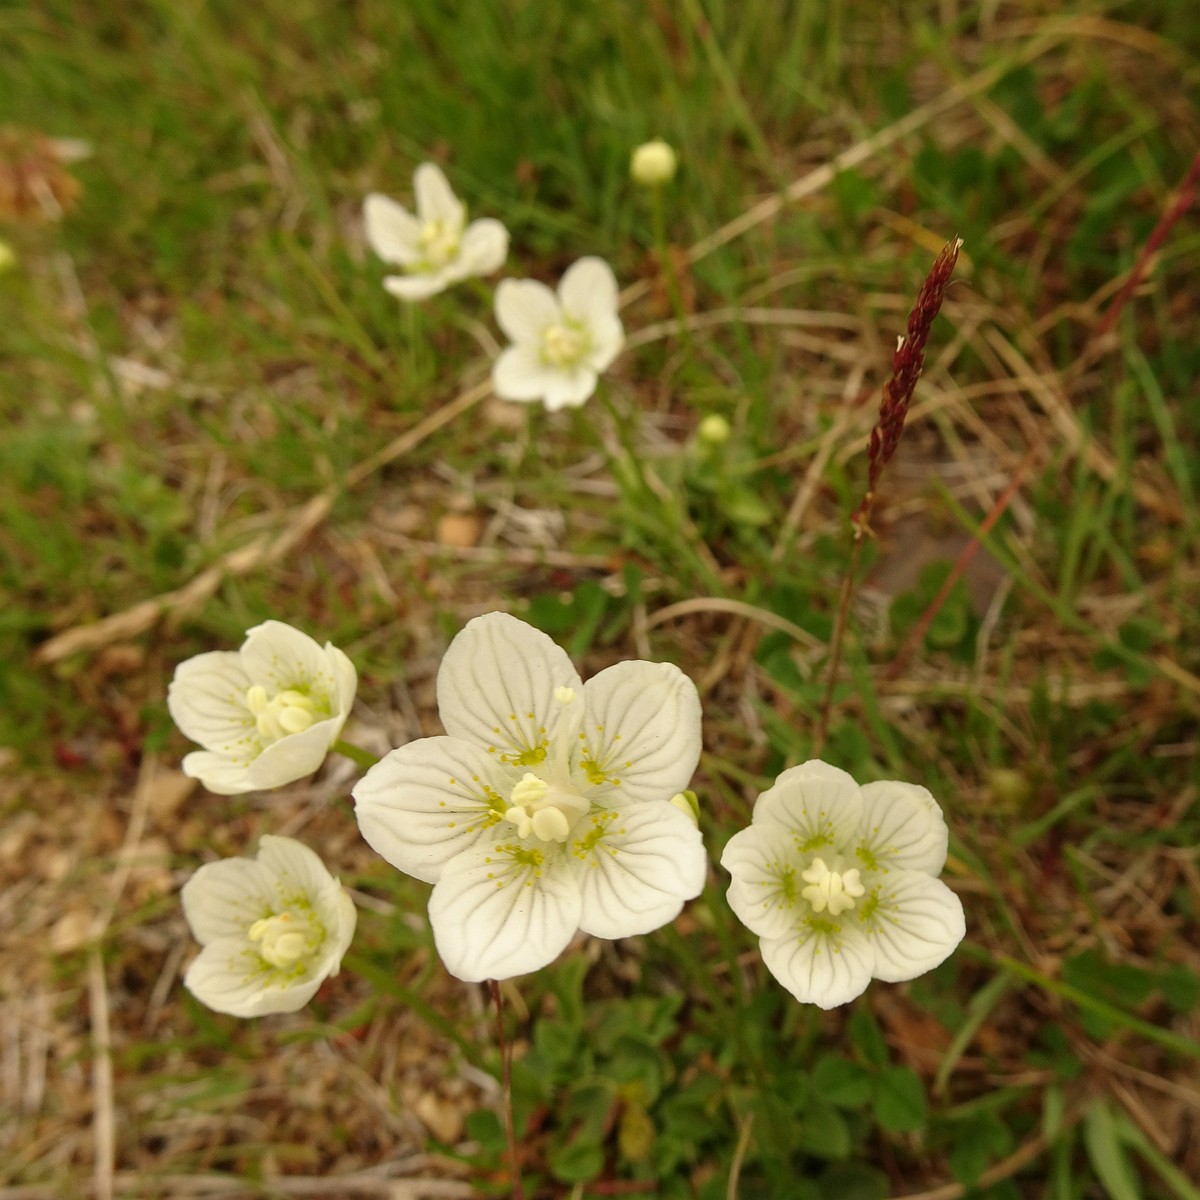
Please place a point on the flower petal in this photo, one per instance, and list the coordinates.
(339, 916)
(297, 873)
(641, 731)
(823, 965)
(570, 390)
(207, 700)
(497, 911)
(914, 923)
(294, 756)
(429, 801)
(435, 200)
(588, 291)
(496, 685)
(764, 891)
(229, 977)
(345, 678)
(219, 774)
(520, 374)
(279, 657)
(902, 827)
(820, 805)
(392, 231)
(484, 247)
(608, 336)
(524, 309)
(636, 869)
(416, 287)
(223, 899)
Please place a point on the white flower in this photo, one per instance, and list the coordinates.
(653, 163)
(272, 929)
(838, 882)
(560, 343)
(266, 714)
(547, 808)
(436, 247)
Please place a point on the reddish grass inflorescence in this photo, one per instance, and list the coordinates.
(907, 364)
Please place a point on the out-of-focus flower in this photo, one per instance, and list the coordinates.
(714, 430)
(436, 247)
(561, 342)
(272, 929)
(838, 881)
(548, 807)
(653, 163)
(266, 714)
(8, 259)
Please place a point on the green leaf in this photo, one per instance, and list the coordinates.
(899, 1100)
(823, 1132)
(853, 1181)
(842, 1082)
(867, 1036)
(577, 1162)
(1107, 1156)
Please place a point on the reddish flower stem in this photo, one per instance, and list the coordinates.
(1183, 201)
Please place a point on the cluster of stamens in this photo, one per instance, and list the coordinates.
(832, 891)
(275, 717)
(439, 242)
(283, 940)
(565, 344)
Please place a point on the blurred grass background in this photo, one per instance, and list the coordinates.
(198, 346)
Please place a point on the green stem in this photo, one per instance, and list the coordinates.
(510, 1132)
(666, 262)
(356, 754)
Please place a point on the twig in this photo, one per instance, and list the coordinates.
(736, 608)
(103, 1120)
(227, 1187)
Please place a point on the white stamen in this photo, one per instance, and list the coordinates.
(564, 695)
(832, 890)
(288, 712)
(545, 812)
(282, 943)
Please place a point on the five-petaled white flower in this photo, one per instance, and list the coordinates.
(547, 808)
(560, 343)
(272, 929)
(838, 882)
(266, 714)
(436, 247)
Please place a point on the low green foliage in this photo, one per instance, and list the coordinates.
(201, 344)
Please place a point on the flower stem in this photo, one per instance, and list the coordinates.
(356, 754)
(518, 1190)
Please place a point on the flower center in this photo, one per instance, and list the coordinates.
(565, 345)
(284, 939)
(288, 712)
(439, 242)
(544, 811)
(832, 890)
